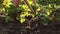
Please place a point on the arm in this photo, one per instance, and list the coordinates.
(29, 5)
(16, 2)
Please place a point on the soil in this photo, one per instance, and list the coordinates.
(35, 27)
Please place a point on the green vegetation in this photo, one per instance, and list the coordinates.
(45, 10)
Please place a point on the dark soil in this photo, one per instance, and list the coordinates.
(35, 27)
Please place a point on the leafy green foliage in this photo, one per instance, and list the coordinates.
(1, 1)
(45, 9)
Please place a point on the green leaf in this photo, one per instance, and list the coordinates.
(22, 20)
